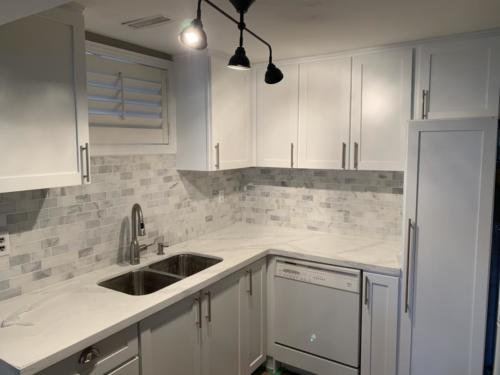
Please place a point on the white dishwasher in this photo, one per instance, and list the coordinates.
(317, 315)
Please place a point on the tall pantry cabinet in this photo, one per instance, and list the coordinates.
(448, 217)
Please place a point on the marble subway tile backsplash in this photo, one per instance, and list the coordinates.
(56, 234)
(345, 202)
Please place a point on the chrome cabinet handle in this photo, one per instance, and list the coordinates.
(408, 252)
(367, 290)
(344, 148)
(89, 355)
(356, 152)
(209, 307)
(291, 155)
(122, 95)
(86, 176)
(425, 104)
(198, 315)
(217, 156)
(250, 282)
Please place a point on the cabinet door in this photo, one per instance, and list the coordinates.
(221, 327)
(253, 317)
(459, 79)
(171, 340)
(43, 106)
(277, 119)
(449, 202)
(381, 109)
(231, 120)
(379, 325)
(324, 113)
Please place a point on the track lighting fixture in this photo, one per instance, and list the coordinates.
(193, 36)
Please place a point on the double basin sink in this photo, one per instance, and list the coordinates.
(159, 275)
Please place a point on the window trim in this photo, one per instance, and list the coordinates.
(134, 57)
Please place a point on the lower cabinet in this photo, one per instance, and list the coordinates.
(379, 320)
(253, 317)
(220, 330)
(221, 327)
(171, 339)
(115, 355)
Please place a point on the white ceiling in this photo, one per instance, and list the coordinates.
(296, 27)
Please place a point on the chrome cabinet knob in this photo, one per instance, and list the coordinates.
(89, 355)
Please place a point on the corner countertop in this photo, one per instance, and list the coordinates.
(43, 327)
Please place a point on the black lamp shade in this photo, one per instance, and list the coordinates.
(239, 60)
(193, 36)
(273, 74)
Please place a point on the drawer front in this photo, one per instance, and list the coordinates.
(129, 368)
(111, 353)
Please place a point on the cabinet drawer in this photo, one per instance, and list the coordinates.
(111, 354)
(129, 368)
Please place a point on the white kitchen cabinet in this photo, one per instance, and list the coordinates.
(277, 119)
(221, 327)
(324, 113)
(381, 109)
(379, 322)
(171, 339)
(200, 335)
(213, 114)
(459, 78)
(14, 9)
(253, 317)
(448, 214)
(43, 106)
(115, 355)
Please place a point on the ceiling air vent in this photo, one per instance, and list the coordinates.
(144, 22)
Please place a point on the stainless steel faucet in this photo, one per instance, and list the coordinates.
(138, 229)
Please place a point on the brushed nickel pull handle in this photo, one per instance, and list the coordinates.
(356, 156)
(344, 148)
(408, 251)
(250, 282)
(209, 307)
(367, 290)
(291, 155)
(86, 176)
(198, 314)
(217, 156)
(89, 355)
(425, 104)
(122, 95)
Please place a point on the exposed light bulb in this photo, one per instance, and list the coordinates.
(193, 36)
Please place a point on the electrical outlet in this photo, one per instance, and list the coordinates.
(221, 196)
(4, 244)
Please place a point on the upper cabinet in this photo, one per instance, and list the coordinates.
(381, 109)
(459, 78)
(337, 113)
(43, 106)
(277, 119)
(213, 114)
(324, 113)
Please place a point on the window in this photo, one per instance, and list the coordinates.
(128, 98)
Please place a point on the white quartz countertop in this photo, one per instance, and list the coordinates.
(41, 328)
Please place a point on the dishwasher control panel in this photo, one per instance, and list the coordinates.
(332, 277)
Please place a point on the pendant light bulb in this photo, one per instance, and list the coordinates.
(239, 61)
(193, 36)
